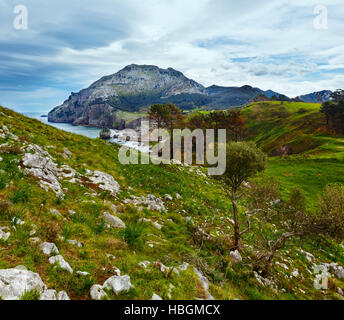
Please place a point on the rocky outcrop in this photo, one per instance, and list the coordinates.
(150, 201)
(137, 86)
(129, 89)
(117, 284)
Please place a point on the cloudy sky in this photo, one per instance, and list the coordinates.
(69, 44)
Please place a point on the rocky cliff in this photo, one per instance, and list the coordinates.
(135, 87)
(128, 90)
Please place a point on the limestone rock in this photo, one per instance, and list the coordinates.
(113, 221)
(49, 295)
(61, 262)
(205, 284)
(62, 295)
(118, 284)
(15, 282)
(49, 248)
(3, 234)
(104, 181)
(156, 297)
(236, 256)
(97, 292)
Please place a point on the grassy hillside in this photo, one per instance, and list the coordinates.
(304, 154)
(202, 207)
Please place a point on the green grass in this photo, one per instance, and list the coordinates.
(203, 199)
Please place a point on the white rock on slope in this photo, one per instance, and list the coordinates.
(104, 181)
(15, 282)
(150, 201)
(113, 221)
(41, 165)
(61, 262)
(49, 248)
(97, 292)
(205, 284)
(3, 234)
(236, 256)
(118, 284)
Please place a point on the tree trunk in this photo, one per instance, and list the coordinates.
(236, 222)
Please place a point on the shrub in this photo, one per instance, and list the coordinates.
(132, 233)
(21, 195)
(31, 295)
(331, 215)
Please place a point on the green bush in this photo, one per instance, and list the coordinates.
(31, 295)
(132, 234)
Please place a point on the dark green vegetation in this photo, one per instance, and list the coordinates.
(197, 227)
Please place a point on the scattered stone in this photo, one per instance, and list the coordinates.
(49, 248)
(35, 240)
(4, 235)
(178, 196)
(236, 256)
(97, 292)
(15, 282)
(205, 284)
(62, 295)
(75, 243)
(41, 165)
(118, 284)
(145, 264)
(167, 197)
(61, 262)
(104, 181)
(151, 202)
(49, 295)
(55, 213)
(295, 273)
(81, 273)
(113, 221)
(157, 225)
(156, 297)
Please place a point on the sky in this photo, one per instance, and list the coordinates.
(285, 46)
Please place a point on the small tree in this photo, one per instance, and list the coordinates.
(296, 222)
(244, 160)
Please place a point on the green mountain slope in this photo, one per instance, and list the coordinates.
(304, 154)
(195, 229)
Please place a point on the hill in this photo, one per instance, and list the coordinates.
(79, 222)
(294, 134)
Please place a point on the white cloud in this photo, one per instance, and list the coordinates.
(275, 40)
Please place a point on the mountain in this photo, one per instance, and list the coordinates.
(129, 89)
(234, 96)
(136, 87)
(316, 97)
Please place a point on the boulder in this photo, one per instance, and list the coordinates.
(61, 262)
(97, 292)
(156, 297)
(167, 197)
(15, 282)
(49, 248)
(49, 295)
(3, 234)
(104, 181)
(75, 243)
(113, 221)
(118, 284)
(62, 295)
(205, 284)
(236, 256)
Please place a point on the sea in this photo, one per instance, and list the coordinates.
(90, 132)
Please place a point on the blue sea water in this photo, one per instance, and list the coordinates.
(90, 132)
